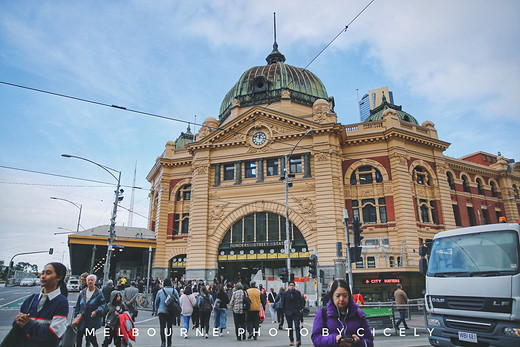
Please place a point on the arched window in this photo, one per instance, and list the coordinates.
(494, 189)
(451, 180)
(465, 183)
(426, 211)
(391, 261)
(262, 227)
(480, 187)
(421, 176)
(516, 191)
(365, 175)
(184, 193)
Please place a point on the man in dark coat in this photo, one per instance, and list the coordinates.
(292, 303)
(107, 290)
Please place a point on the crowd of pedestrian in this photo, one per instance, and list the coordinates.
(190, 304)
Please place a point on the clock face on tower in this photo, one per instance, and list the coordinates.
(259, 138)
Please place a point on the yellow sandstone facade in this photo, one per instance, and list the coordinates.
(218, 204)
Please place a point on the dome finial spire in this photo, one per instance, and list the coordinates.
(275, 56)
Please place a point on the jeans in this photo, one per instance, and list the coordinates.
(273, 312)
(294, 318)
(166, 322)
(186, 323)
(402, 316)
(220, 318)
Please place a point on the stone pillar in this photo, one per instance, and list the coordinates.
(238, 172)
(260, 170)
(306, 165)
(217, 175)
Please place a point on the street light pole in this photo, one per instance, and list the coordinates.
(118, 191)
(80, 206)
(286, 178)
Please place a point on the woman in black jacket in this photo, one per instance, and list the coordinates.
(221, 302)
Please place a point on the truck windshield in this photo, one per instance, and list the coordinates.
(481, 254)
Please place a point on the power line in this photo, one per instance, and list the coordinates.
(123, 108)
(63, 176)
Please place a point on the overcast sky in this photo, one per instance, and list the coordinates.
(455, 63)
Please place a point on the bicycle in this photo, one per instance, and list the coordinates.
(142, 300)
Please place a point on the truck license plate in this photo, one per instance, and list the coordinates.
(468, 337)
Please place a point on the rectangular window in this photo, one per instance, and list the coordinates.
(273, 227)
(386, 242)
(272, 167)
(176, 224)
(229, 172)
(456, 215)
(185, 223)
(372, 242)
(371, 262)
(250, 169)
(485, 216)
(295, 164)
(471, 216)
(382, 210)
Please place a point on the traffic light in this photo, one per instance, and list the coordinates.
(355, 254)
(313, 265)
(51, 250)
(357, 230)
(282, 273)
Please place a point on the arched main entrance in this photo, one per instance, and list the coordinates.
(256, 242)
(177, 266)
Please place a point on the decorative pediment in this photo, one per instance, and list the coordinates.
(263, 123)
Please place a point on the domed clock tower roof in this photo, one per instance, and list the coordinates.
(261, 85)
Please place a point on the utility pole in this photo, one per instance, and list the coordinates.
(349, 264)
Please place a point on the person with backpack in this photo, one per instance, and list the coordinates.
(188, 302)
(341, 322)
(111, 312)
(165, 317)
(221, 302)
(239, 314)
(205, 304)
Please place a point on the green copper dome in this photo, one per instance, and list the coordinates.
(264, 84)
(377, 113)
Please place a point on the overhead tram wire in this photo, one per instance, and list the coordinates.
(122, 108)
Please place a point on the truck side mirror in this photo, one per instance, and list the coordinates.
(423, 250)
(423, 266)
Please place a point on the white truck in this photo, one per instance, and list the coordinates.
(473, 286)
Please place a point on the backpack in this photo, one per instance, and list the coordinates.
(247, 302)
(358, 300)
(216, 306)
(206, 304)
(173, 306)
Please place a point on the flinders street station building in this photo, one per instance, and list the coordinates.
(218, 206)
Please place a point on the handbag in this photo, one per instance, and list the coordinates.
(68, 339)
(15, 336)
(262, 314)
